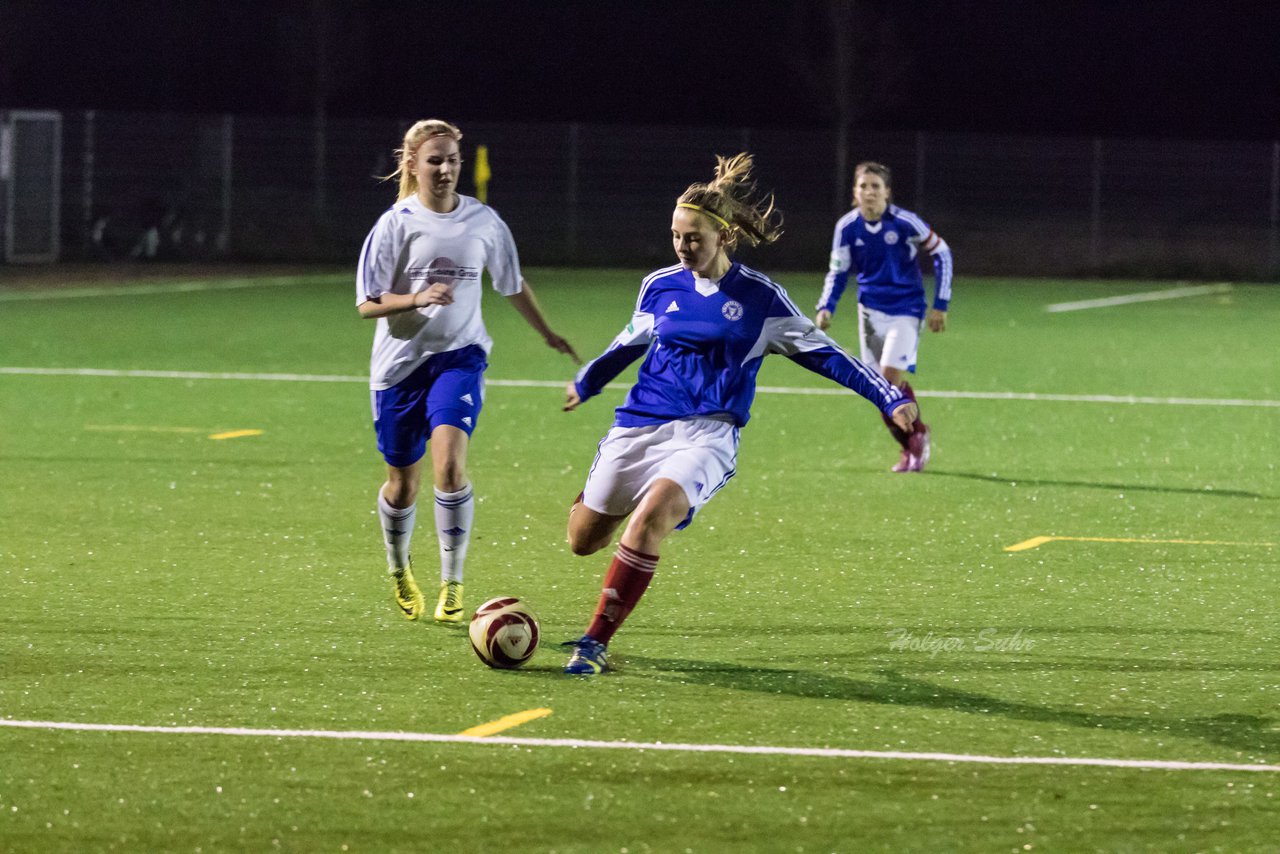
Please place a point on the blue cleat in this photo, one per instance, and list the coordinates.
(588, 657)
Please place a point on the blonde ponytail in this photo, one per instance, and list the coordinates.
(729, 201)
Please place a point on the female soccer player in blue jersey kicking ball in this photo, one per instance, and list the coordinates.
(419, 276)
(703, 327)
(880, 242)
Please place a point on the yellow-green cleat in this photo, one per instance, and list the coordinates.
(449, 608)
(408, 596)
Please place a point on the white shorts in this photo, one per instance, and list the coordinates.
(700, 454)
(889, 340)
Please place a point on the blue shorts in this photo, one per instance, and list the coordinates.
(447, 389)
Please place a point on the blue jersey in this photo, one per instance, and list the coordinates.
(883, 254)
(703, 344)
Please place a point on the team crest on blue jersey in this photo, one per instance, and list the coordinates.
(891, 237)
(732, 310)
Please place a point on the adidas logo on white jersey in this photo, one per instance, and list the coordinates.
(672, 307)
(466, 398)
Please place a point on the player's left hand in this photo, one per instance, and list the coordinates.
(937, 320)
(560, 345)
(904, 416)
(571, 398)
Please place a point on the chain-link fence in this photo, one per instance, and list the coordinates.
(292, 188)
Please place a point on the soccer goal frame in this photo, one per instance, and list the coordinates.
(31, 172)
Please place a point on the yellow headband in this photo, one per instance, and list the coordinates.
(718, 219)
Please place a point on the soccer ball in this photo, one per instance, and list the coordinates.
(504, 633)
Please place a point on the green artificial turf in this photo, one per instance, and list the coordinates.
(151, 575)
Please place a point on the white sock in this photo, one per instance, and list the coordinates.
(397, 532)
(454, 512)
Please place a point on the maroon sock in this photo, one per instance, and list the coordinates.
(624, 584)
(900, 437)
(911, 395)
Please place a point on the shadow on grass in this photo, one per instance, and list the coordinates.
(1120, 487)
(1248, 733)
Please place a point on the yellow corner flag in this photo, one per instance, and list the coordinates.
(482, 174)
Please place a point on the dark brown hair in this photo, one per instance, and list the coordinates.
(875, 169)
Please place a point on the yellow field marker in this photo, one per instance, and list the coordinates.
(235, 434)
(1040, 541)
(506, 722)
(1029, 544)
(131, 428)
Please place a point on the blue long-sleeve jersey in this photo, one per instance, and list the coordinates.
(883, 254)
(703, 344)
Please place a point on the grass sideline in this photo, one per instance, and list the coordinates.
(154, 576)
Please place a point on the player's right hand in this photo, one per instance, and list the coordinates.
(822, 320)
(435, 294)
(571, 399)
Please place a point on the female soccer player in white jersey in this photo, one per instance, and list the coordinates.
(703, 327)
(419, 276)
(880, 242)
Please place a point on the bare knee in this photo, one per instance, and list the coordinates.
(649, 526)
(449, 458)
(589, 531)
(655, 518)
(586, 539)
(581, 546)
(400, 490)
(450, 476)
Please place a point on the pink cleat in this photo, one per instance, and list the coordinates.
(903, 463)
(918, 445)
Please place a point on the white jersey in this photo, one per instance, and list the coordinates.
(412, 247)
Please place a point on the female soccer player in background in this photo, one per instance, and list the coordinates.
(703, 326)
(419, 276)
(880, 241)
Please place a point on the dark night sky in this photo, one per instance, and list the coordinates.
(1070, 67)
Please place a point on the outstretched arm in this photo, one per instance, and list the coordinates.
(527, 304)
(836, 364)
(798, 339)
(630, 344)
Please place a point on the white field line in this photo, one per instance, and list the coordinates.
(323, 378)
(1145, 296)
(161, 288)
(185, 375)
(584, 744)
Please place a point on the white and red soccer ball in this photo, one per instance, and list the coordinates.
(504, 633)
